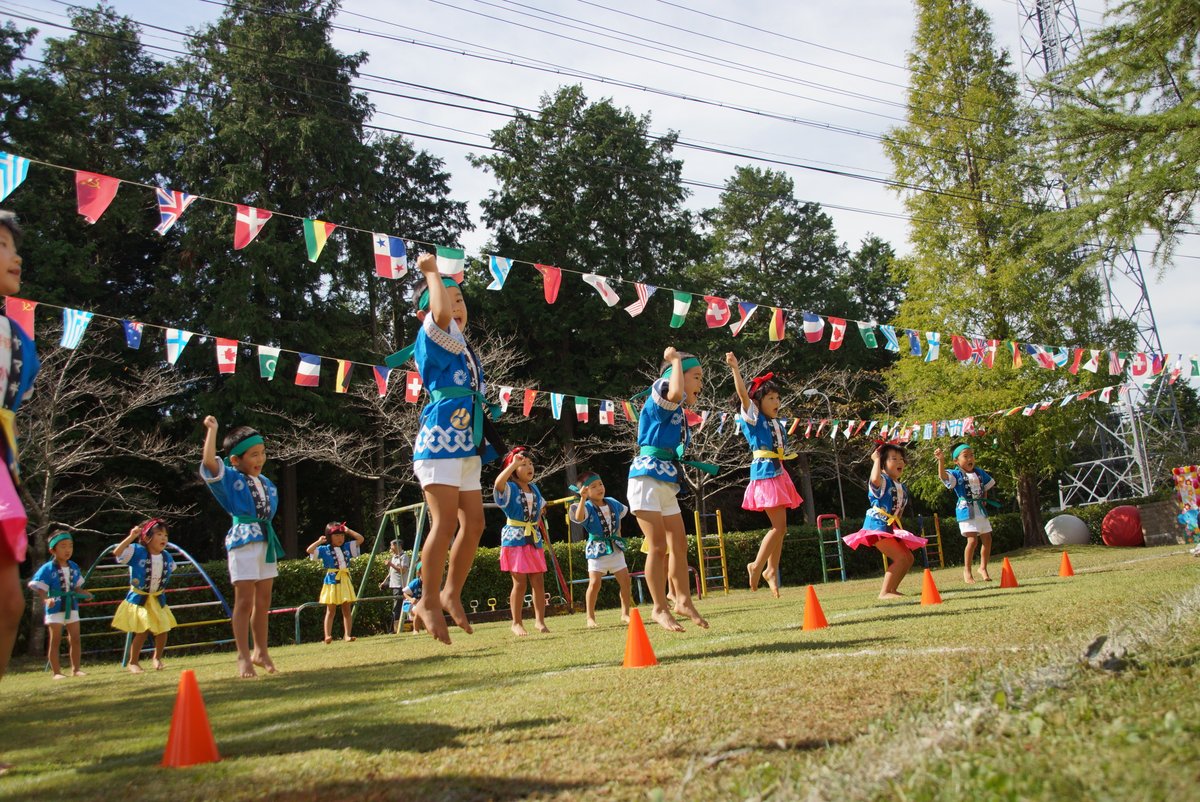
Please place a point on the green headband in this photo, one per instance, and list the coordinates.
(423, 301)
(961, 448)
(595, 477)
(245, 445)
(59, 538)
(688, 363)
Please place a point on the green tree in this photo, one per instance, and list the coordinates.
(975, 266)
(1122, 130)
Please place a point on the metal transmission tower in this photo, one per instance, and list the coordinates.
(1124, 452)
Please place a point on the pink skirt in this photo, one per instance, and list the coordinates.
(522, 559)
(778, 491)
(869, 537)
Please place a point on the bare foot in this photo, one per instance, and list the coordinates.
(349, 638)
(328, 639)
(666, 621)
(519, 630)
(968, 578)
(541, 627)
(892, 595)
(78, 673)
(453, 606)
(429, 612)
(984, 575)
(134, 668)
(261, 660)
(246, 668)
(591, 622)
(158, 664)
(754, 576)
(769, 575)
(625, 618)
(689, 609)
(59, 676)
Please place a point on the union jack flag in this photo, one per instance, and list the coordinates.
(644, 291)
(171, 205)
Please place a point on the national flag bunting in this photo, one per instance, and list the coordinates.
(890, 341)
(316, 233)
(778, 330)
(837, 332)
(75, 323)
(530, 397)
(1106, 395)
(171, 205)
(745, 310)
(505, 398)
(1116, 362)
(644, 291)
(268, 360)
(177, 340)
(630, 412)
(581, 409)
(246, 225)
(391, 256)
(914, 342)
(133, 333)
(13, 170)
(1076, 362)
(381, 378)
(551, 279)
(1016, 353)
(556, 402)
(606, 413)
(814, 327)
(308, 372)
(960, 347)
(716, 312)
(412, 386)
(600, 285)
(451, 262)
(867, 332)
(499, 267)
(226, 355)
(21, 311)
(679, 307)
(933, 340)
(1093, 363)
(93, 194)
(342, 380)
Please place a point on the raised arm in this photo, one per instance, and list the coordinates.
(439, 299)
(941, 460)
(209, 457)
(321, 541)
(357, 537)
(738, 382)
(502, 479)
(675, 385)
(876, 469)
(124, 544)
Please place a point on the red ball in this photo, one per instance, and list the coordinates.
(1122, 527)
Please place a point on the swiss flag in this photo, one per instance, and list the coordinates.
(717, 313)
(226, 355)
(247, 225)
(412, 387)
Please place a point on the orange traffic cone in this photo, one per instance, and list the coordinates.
(638, 651)
(814, 616)
(1007, 578)
(929, 591)
(1064, 568)
(190, 740)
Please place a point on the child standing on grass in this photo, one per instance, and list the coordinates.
(337, 590)
(251, 544)
(412, 594)
(144, 610)
(971, 485)
(771, 489)
(450, 448)
(521, 548)
(654, 483)
(601, 517)
(59, 585)
(18, 366)
(882, 527)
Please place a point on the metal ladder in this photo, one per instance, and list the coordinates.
(710, 551)
(833, 555)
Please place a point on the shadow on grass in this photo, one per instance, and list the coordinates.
(992, 593)
(788, 646)
(918, 613)
(465, 787)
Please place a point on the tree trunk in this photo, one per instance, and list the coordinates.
(806, 491)
(291, 546)
(1031, 510)
(566, 425)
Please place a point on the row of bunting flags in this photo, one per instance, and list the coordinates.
(308, 374)
(94, 193)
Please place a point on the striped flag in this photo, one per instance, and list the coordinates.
(13, 170)
(867, 332)
(717, 313)
(316, 233)
(889, 336)
(268, 360)
(551, 280)
(1062, 355)
(226, 355)
(527, 406)
(581, 409)
(606, 413)
(246, 225)
(133, 333)
(308, 372)
(871, 428)
(498, 266)
(630, 412)
(745, 310)
(21, 311)
(381, 378)
(171, 205)
(342, 381)
(451, 262)
(1016, 353)
(644, 291)
(1116, 362)
(814, 327)
(778, 329)
(505, 398)
(600, 285)
(391, 256)
(75, 323)
(177, 340)
(934, 340)
(837, 332)
(679, 307)
(556, 401)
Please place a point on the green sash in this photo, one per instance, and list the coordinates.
(677, 456)
(274, 547)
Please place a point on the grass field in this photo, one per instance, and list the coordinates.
(984, 696)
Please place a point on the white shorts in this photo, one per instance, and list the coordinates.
(249, 563)
(647, 494)
(62, 618)
(608, 564)
(460, 472)
(978, 526)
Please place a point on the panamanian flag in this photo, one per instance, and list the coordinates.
(391, 256)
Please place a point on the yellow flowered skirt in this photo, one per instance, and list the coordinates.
(339, 593)
(150, 616)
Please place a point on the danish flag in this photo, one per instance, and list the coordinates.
(247, 225)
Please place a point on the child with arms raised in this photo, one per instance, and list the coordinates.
(882, 527)
(770, 489)
(971, 485)
(521, 549)
(337, 590)
(601, 517)
(144, 610)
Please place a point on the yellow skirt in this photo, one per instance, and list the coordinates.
(151, 616)
(340, 593)
(645, 549)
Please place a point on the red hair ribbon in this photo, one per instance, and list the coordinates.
(881, 443)
(148, 527)
(512, 454)
(759, 381)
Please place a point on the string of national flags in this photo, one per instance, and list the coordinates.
(94, 193)
(75, 324)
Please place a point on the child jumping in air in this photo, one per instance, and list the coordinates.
(882, 527)
(654, 483)
(451, 446)
(251, 544)
(971, 485)
(337, 590)
(59, 585)
(601, 517)
(770, 489)
(521, 548)
(144, 609)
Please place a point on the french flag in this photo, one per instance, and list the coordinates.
(308, 373)
(814, 327)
